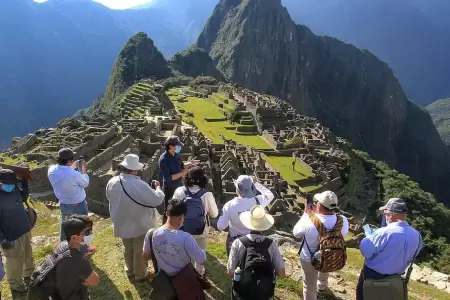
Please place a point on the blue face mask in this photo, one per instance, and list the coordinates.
(178, 149)
(8, 187)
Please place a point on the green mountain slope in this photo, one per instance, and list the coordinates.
(440, 113)
(255, 44)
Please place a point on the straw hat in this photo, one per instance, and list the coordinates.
(131, 162)
(257, 219)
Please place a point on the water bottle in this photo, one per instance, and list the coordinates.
(367, 230)
(237, 274)
(80, 165)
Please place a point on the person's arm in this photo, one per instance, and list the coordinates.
(165, 172)
(222, 223)
(373, 244)
(299, 230)
(146, 195)
(146, 252)
(87, 274)
(93, 279)
(233, 258)
(24, 190)
(277, 261)
(81, 179)
(267, 195)
(179, 193)
(344, 230)
(213, 211)
(193, 249)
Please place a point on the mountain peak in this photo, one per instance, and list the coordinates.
(255, 44)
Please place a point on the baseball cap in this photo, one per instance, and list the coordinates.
(244, 184)
(396, 206)
(173, 140)
(327, 199)
(66, 154)
(8, 176)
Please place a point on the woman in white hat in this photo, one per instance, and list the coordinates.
(257, 221)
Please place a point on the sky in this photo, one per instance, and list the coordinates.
(116, 4)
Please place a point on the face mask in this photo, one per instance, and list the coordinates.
(88, 239)
(178, 149)
(8, 187)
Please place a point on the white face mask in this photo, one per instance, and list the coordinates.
(88, 239)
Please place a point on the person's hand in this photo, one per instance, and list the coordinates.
(184, 172)
(156, 183)
(84, 167)
(194, 162)
(76, 165)
(7, 245)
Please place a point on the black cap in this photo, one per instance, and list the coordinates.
(8, 176)
(173, 140)
(66, 154)
(396, 206)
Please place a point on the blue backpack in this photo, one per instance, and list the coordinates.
(195, 218)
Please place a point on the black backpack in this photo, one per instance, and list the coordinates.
(257, 280)
(43, 280)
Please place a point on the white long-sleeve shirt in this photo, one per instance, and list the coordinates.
(130, 219)
(68, 184)
(233, 208)
(305, 228)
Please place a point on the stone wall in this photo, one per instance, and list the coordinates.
(101, 159)
(122, 145)
(96, 143)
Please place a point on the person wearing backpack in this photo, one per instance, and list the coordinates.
(15, 231)
(201, 206)
(246, 198)
(255, 260)
(132, 206)
(388, 252)
(323, 247)
(66, 274)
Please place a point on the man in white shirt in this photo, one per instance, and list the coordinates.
(132, 205)
(246, 198)
(323, 207)
(69, 178)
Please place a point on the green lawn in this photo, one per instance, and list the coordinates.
(283, 164)
(204, 108)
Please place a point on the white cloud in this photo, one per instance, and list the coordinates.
(115, 4)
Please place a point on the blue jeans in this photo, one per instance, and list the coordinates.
(68, 210)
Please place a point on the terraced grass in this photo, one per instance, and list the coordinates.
(203, 108)
(283, 164)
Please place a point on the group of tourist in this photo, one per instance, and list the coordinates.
(177, 248)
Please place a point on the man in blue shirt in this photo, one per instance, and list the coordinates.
(391, 249)
(172, 168)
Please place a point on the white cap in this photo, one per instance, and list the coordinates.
(327, 199)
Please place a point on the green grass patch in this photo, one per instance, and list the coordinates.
(204, 108)
(283, 164)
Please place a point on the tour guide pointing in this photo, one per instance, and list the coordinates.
(172, 168)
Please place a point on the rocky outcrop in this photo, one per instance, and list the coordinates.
(195, 62)
(256, 44)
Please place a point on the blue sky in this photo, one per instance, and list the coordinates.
(116, 4)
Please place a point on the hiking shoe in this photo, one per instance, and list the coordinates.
(27, 280)
(145, 279)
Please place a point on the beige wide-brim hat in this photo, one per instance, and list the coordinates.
(257, 219)
(131, 162)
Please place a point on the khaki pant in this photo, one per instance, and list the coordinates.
(201, 241)
(312, 279)
(134, 264)
(19, 262)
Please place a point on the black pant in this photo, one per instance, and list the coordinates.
(168, 194)
(367, 273)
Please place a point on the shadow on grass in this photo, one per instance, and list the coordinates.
(217, 275)
(106, 289)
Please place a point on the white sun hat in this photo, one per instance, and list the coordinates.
(131, 162)
(257, 219)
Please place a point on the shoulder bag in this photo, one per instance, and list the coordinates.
(126, 193)
(162, 288)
